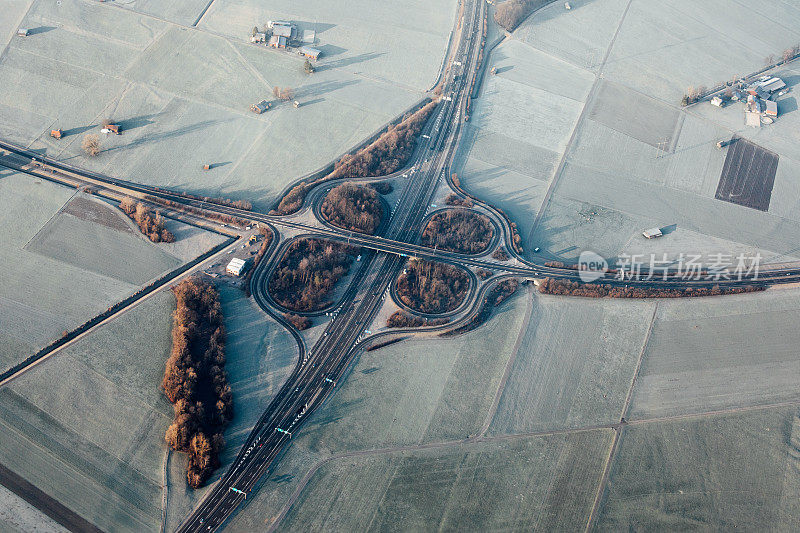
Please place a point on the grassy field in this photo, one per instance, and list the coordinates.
(86, 427)
(721, 473)
(727, 352)
(182, 94)
(574, 365)
(535, 484)
(67, 257)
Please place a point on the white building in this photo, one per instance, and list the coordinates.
(237, 266)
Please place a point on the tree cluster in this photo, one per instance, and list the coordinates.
(230, 219)
(458, 230)
(385, 155)
(151, 226)
(500, 255)
(307, 272)
(300, 322)
(383, 187)
(432, 287)
(401, 319)
(283, 93)
(353, 207)
(511, 12)
(195, 380)
(268, 235)
(455, 200)
(484, 273)
(516, 240)
(91, 144)
(598, 290)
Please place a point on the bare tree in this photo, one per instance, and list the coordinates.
(770, 59)
(91, 144)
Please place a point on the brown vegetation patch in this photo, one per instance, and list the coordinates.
(300, 322)
(401, 319)
(353, 207)
(195, 380)
(307, 273)
(593, 290)
(383, 187)
(268, 235)
(430, 287)
(197, 211)
(458, 230)
(455, 200)
(151, 226)
(385, 155)
(97, 212)
(500, 255)
(510, 13)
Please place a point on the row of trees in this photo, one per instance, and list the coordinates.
(598, 290)
(458, 230)
(431, 287)
(150, 225)
(307, 273)
(267, 236)
(195, 381)
(353, 207)
(385, 155)
(230, 219)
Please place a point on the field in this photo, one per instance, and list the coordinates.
(606, 136)
(67, 256)
(720, 473)
(86, 427)
(181, 93)
(574, 365)
(729, 352)
(535, 484)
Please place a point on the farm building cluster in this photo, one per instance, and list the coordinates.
(760, 106)
(283, 34)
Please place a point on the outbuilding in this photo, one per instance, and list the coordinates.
(23, 32)
(237, 266)
(652, 233)
(277, 42)
(56, 134)
(259, 38)
(770, 108)
(309, 52)
(260, 107)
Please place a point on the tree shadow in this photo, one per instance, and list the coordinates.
(314, 101)
(77, 131)
(323, 87)
(137, 122)
(346, 62)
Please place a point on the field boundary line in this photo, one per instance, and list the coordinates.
(509, 365)
(598, 498)
(581, 118)
(51, 220)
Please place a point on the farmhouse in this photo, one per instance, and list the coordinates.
(283, 31)
(237, 266)
(260, 107)
(309, 52)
